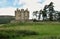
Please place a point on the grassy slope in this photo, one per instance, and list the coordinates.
(41, 28)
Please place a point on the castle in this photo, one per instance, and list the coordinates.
(21, 15)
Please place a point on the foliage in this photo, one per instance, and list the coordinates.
(48, 13)
(4, 20)
(11, 34)
(29, 30)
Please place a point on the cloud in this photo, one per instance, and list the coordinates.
(56, 4)
(32, 5)
(9, 6)
(7, 11)
(10, 3)
(41, 1)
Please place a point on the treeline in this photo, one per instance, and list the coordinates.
(5, 19)
(47, 13)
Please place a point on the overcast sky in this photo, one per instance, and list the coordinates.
(7, 7)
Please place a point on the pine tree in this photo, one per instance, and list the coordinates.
(51, 10)
(44, 11)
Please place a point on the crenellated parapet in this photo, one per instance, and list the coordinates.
(21, 15)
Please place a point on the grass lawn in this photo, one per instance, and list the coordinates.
(42, 29)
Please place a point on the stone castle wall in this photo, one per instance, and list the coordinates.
(21, 15)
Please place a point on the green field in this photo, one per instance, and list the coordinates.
(30, 30)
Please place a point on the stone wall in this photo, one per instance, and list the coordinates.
(21, 15)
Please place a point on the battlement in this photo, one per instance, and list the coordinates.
(21, 15)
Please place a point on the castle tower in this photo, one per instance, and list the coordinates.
(21, 15)
(17, 15)
(26, 14)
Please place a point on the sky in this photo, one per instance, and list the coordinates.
(7, 7)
